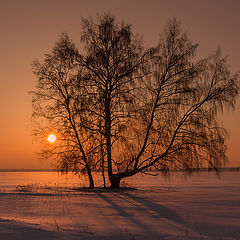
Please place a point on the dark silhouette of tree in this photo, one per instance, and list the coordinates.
(54, 103)
(114, 60)
(142, 110)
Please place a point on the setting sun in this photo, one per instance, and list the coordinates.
(51, 138)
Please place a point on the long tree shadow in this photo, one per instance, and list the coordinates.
(165, 212)
(162, 211)
(130, 217)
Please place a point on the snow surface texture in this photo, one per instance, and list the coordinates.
(49, 206)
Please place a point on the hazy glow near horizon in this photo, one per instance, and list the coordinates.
(52, 138)
(27, 34)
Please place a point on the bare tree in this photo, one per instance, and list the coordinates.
(114, 61)
(54, 109)
(180, 129)
(159, 106)
(133, 110)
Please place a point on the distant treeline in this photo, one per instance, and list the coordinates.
(226, 169)
(28, 170)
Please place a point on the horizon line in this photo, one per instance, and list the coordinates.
(173, 170)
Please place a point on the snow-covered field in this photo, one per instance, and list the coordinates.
(45, 205)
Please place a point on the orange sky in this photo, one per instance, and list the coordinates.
(30, 28)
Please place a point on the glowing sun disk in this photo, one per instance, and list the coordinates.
(51, 138)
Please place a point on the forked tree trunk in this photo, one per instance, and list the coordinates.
(115, 179)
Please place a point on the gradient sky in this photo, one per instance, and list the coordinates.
(29, 29)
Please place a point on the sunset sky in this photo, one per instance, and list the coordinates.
(29, 29)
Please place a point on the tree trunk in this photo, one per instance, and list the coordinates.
(115, 182)
(90, 177)
(103, 175)
(103, 167)
(108, 140)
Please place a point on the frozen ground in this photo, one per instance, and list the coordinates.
(47, 206)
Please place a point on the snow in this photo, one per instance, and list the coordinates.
(51, 206)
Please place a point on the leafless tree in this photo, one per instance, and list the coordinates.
(133, 110)
(54, 109)
(180, 129)
(114, 61)
(159, 106)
